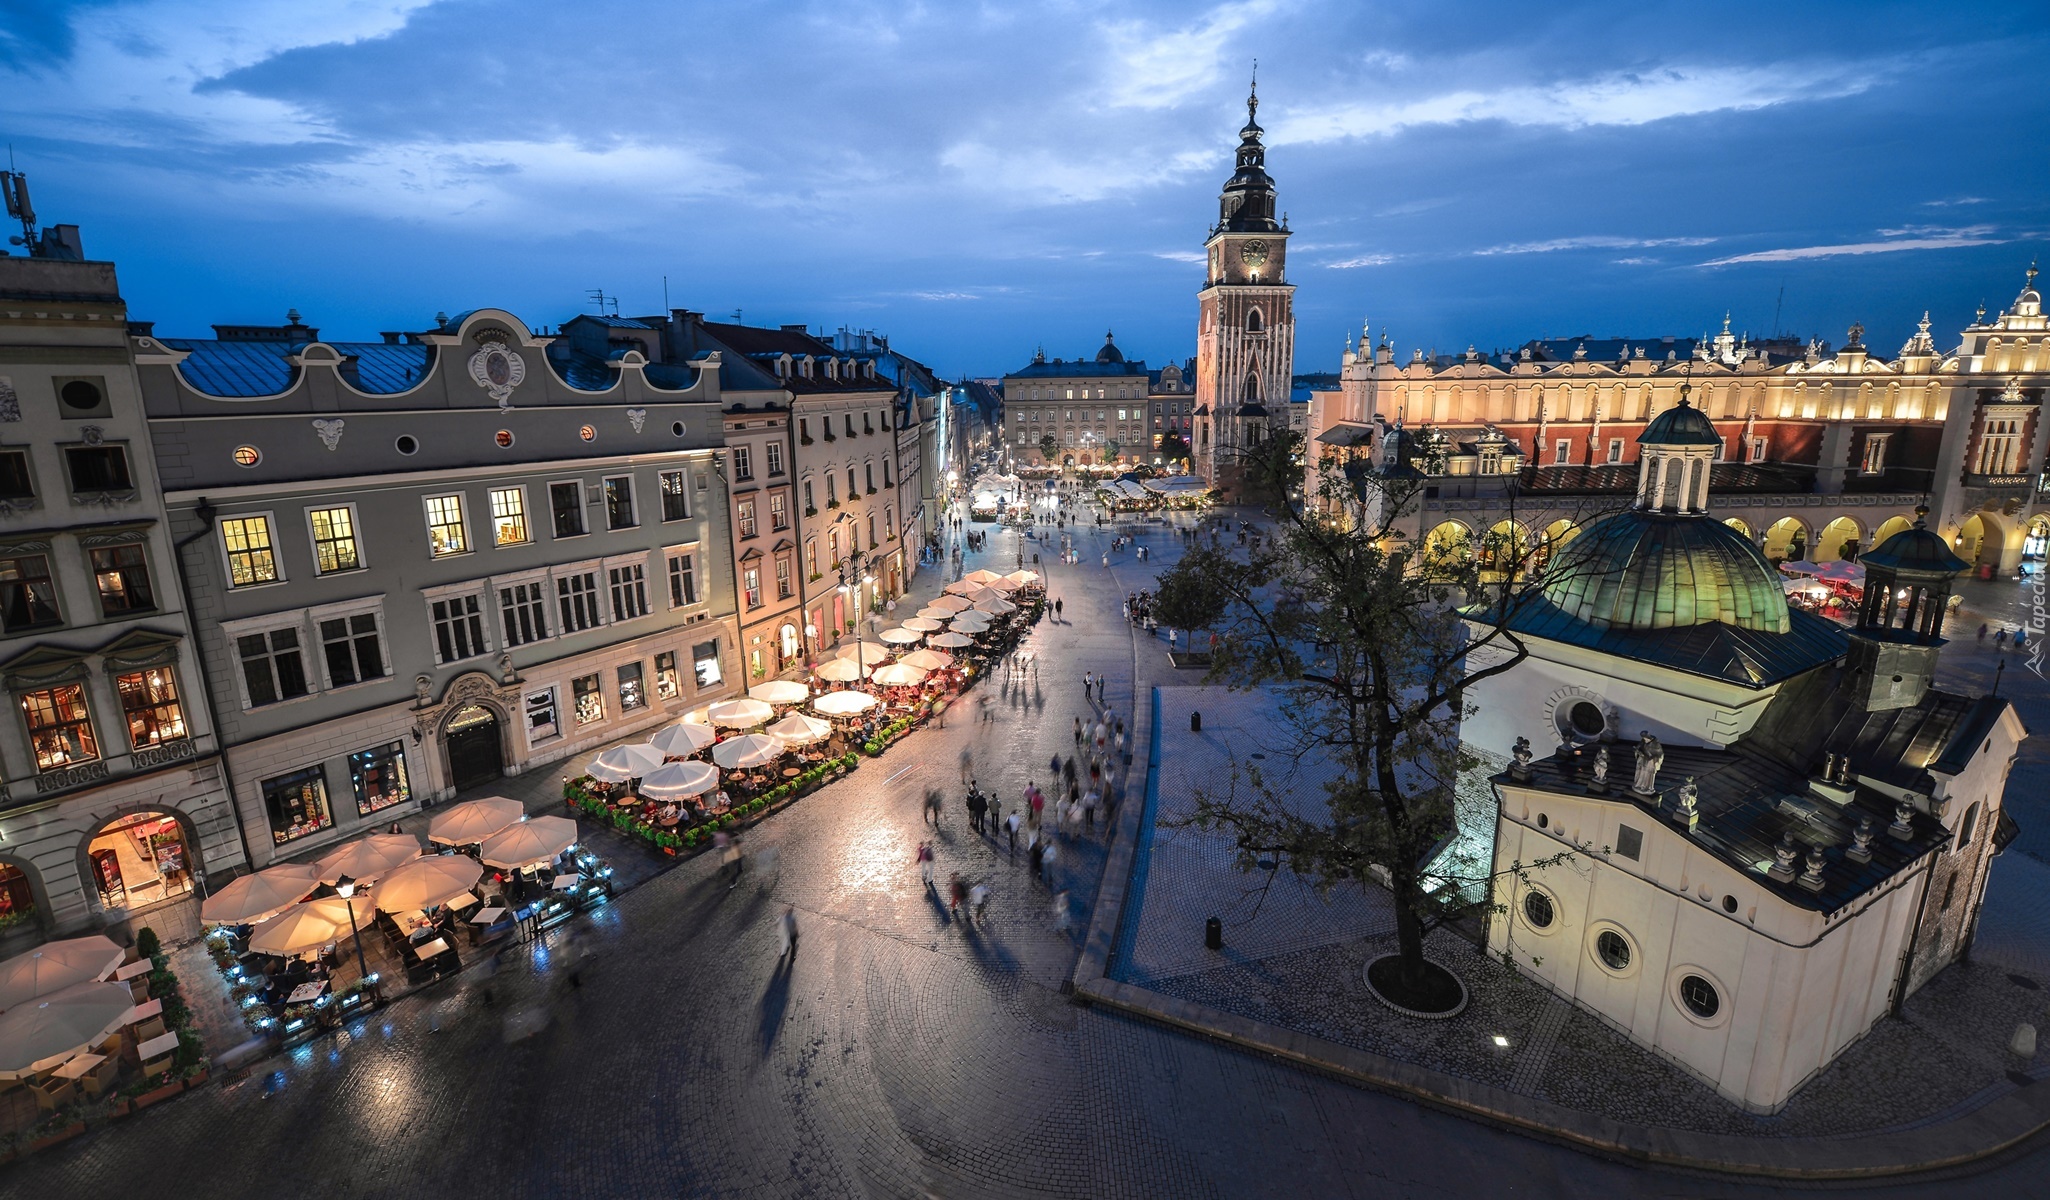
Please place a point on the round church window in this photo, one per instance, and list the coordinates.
(1699, 995)
(1586, 718)
(1537, 909)
(1614, 951)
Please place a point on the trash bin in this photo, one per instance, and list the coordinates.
(1985, 570)
(1213, 933)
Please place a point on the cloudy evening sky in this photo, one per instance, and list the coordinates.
(977, 179)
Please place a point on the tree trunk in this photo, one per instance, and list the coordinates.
(1409, 928)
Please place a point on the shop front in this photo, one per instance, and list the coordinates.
(139, 861)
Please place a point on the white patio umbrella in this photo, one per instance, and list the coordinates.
(780, 691)
(622, 763)
(251, 898)
(951, 605)
(1799, 566)
(900, 637)
(54, 966)
(840, 670)
(931, 660)
(1841, 572)
(680, 780)
(796, 729)
(426, 882)
(531, 841)
(935, 612)
(971, 622)
(899, 675)
(683, 738)
(748, 750)
(995, 606)
(925, 624)
(298, 929)
(1004, 584)
(336, 909)
(844, 704)
(1021, 578)
(868, 654)
(964, 587)
(473, 820)
(950, 640)
(370, 857)
(982, 577)
(744, 713)
(43, 1032)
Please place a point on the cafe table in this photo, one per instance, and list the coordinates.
(157, 1047)
(489, 916)
(307, 991)
(143, 1012)
(564, 883)
(428, 951)
(129, 971)
(80, 1067)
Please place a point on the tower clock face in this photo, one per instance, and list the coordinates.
(1253, 253)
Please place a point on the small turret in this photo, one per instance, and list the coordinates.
(1893, 650)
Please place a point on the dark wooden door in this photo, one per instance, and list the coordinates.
(473, 752)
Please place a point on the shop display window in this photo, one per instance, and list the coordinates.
(379, 777)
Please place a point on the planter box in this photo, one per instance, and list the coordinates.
(165, 1092)
(63, 1135)
(195, 1081)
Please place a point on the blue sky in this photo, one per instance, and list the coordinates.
(978, 179)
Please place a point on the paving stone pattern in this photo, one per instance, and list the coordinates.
(657, 1047)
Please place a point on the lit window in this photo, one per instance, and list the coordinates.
(779, 511)
(667, 683)
(297, 804)
(445, 533)
(334, 540)
(509, 516)
(705, 663)
(250, 557)
(149, 701)
(746, 509)
(675, 497)
(379, 777)
(751, 586)
(631, 695)
(587, 701)
(60, 730)
(1874, 462)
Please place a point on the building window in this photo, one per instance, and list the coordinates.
(334, 539)
(2000, 447)
(124, 579)
(379, 778)
(746, 508)
(566, 502)
(779, 511)
(809, 507)
(774, 453)
(675, 496)
(272, 669)
(15, 481)
(683, 581)
(458, 628)
(60, 730)
(149, 702)
(1538, 910)
(871, 529)
(1562, 450)
(1615, 450)
(743, 465)
(868, 473)
(576, 601)
(1699, 995)
(890, 521)
(1874, 462)
(445, 532)
(783, 577)
(629, 591)
(851, 492)
(811, 556)
(1613, 950)
(541, 718)
(250, 557)
(619, 502)
(1629, 842)
(586, 701)
(1757, 450)
(98, 469)
(631, 695)
(509, 517)
(353, 649)
(297, 804)
(751, 585)
(667, 683)
(523, 613)
(705, 663)
(832, 490)
(28, 597)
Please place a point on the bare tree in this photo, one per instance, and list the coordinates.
(1370, 644)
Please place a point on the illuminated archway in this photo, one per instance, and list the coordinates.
(1889, 527)
(1786, 539)
(1737, 523)
(1448, 545)
(1840, 539)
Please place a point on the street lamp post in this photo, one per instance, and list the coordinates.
(345, 887)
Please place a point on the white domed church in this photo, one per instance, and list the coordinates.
(1780, 828)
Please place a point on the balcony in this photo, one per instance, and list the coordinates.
(1998, 481)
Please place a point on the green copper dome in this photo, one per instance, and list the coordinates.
(1681, 425)
(1647, 570)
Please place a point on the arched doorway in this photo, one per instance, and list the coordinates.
(1737, 523)
(1446, 546)
(1840, 539)
(1980, 540)
(1503, 548)
(787, 643)
(139, 860)
(1889, 527)
(1786, 540)
(475, 753)
(1555, 536)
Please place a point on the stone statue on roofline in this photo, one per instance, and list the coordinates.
(1598, 781)
(1519, 770)
(1650, 757)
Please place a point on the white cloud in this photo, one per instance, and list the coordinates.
(1153, 67)
(1954, 203)
(1592, 242)
(1364, 260)
(944, 296)
(1182, 256)
(1973, 235)
(1629, 98)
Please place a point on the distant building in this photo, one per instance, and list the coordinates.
(1082, 413)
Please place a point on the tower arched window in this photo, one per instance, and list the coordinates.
(1252, 393)
(1253, 321)
(1968, 827)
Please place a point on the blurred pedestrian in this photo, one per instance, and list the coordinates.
(1011, 824)
(1061, 918)
(978, 902)
(786, 931)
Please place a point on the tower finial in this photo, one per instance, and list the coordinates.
(1253, 106)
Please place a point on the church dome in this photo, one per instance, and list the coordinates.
(1681, 425)
(1642, 570)
(1915, 550)
(1110, 352)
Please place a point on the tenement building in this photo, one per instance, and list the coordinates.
(1093, 412)
(114, 807)
(1820, 454)
(422, 562)
(1774, 829)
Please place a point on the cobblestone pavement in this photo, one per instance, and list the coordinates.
(660, 1047)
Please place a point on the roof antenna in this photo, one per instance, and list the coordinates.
(665, 293)
(14, 191)
(600, 299)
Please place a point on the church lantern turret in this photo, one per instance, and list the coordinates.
(1892, 659)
